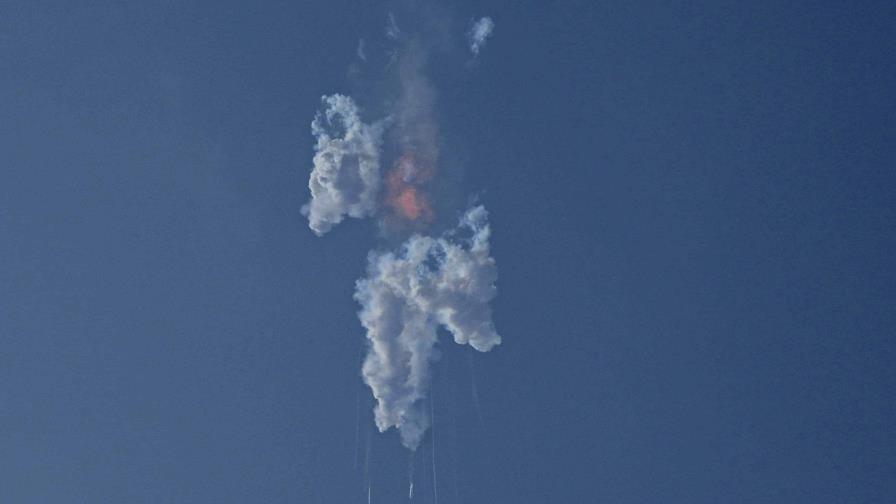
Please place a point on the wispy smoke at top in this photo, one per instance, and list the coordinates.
(345, 179)
(405, 297)
(479, 32)
(415, 134)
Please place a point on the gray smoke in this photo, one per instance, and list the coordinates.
(392, 30)
(407, 295)
(415, 124)
(346, 177)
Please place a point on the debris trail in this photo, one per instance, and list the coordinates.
(474, 392)
(432, 427)
(357, 425)
(411, 477)
(423, 275)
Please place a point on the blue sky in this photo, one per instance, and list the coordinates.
(692, 216)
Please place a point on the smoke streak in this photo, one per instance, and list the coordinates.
(432, 433)
(474, 392)
(479, 32)
(455, 472)
(358, 413)
(357, 426)
(392, 30)
(411, 477)
(430, 281)
(406, 189)
(415, 136)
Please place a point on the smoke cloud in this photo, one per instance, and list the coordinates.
(361, 51)
(479, 32)
(346, 177)
(430, 282)
(392, 30)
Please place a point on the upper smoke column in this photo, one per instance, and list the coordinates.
(346, 176)
(406, 296)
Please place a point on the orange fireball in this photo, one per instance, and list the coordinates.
(405, 193)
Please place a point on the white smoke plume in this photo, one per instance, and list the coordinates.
(392, 30)
(346, 177)
(479, 33)
(406, 296)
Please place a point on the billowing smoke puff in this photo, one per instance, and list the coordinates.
(479, 32)
(445, 281)
(346, 177)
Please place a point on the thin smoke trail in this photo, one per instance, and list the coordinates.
(432, 427)
(367, 481)
(386, 168)
(358, 412)
(455, 443)
(357, 424)
(411, 477)
(406, 296)
(474, 392)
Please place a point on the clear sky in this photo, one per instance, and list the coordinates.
(692, 208)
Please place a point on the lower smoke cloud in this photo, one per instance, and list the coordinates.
(429, 282)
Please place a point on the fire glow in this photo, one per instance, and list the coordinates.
(405, 193)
